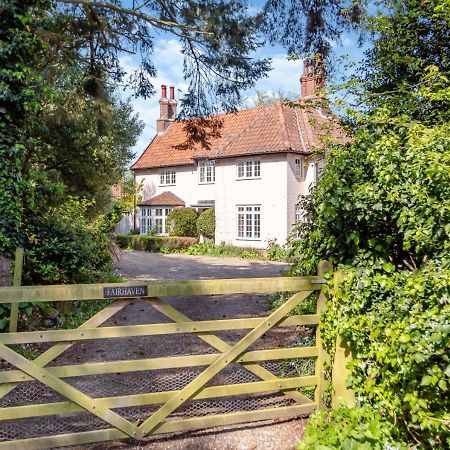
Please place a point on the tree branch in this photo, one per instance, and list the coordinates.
(158, 23)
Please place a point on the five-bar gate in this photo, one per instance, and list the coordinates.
(38, 394)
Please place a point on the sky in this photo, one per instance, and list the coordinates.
(284, 77)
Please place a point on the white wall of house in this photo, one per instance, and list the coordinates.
(269, 191)
(186, 186)
(273, 195)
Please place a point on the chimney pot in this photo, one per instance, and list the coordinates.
(167, 109)
(313, 77)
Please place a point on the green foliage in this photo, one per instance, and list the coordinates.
(357, 428)
(210, 249)
(107, 222)
(398, 327)
(20, 93)
(206, 223)
(276, 252)
(161, 244)
(381, 213)
(62, 247)
(182, 222)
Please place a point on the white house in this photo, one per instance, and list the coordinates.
(252, 174)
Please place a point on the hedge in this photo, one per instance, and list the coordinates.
(154, 243)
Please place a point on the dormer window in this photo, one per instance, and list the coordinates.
(249, 169)
(206, 172)
(167, 178)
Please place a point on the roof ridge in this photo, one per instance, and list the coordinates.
(283, 125)
(300, 132)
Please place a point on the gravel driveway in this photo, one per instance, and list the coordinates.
(154, 266)
(268, 435)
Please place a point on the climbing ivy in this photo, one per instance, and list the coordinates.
(20, 85)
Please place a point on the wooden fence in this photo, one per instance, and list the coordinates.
(161, 420)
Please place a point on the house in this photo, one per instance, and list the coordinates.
(252, 174)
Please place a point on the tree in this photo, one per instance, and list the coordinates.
(20, 94)
(381, 212)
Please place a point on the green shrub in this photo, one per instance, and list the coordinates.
(182, 222)
(206, 223)
(62, 247)
(275, 252)
(123, 240)
(397, 327)
(358, 428)
(210, 249)
(162, 244)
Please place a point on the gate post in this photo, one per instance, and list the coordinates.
(342, 357)
(322, 268)
(17, 281)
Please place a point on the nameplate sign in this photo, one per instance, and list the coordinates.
(125, 291)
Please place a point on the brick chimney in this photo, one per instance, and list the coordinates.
(313, 77)
(167, 109)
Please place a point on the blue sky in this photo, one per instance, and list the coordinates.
(168, 60)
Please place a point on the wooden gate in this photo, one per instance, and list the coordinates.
(23, 408)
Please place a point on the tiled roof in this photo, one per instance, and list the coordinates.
(163, 199)
(274, 128)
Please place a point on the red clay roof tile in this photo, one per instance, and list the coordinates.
(164, 199)
(274, 128)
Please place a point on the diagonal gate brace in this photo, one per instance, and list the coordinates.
(222, 361)
(223, 346)
(65, 389)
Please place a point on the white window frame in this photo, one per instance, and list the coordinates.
(207, 171)
(299, 168)
(299, 215)
(248, 222)
(249, 169)
(154, 217)
(167, 178)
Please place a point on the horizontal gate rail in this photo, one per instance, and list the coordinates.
(226, 390)
(26, 337)
(63, 293)
(167, 401)
(173, 362)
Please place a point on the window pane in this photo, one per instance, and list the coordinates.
(257, 168)
(248, 169)
(202, 172)
(257, 225)
(213, 168)
(240, 169)
(240, 225)
(248, 225)
(161, 178)
(173, 178)
(298, 168)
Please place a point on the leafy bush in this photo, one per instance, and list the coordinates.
(359, 428)
(275, 252)
(206, 223)
(162, 244)
(397, 326)
(123, 240)
(182, 222)
(62, 247)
